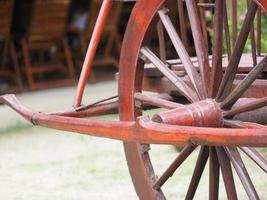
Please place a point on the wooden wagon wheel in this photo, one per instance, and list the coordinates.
(208, 89)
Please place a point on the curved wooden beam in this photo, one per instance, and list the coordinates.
(143, 130)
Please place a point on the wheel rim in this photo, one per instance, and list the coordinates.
(141, 169)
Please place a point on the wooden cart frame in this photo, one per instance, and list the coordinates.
(216, 118)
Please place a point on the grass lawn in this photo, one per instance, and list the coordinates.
(39, 163)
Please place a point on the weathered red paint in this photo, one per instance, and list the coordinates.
(198, 124)
(262, 4)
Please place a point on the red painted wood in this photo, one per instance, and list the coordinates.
(138, 131)
(95, 39)
(262, 4)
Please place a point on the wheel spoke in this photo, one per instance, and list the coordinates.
(244, 84)
(216, 70)
(259, 32)
(179, 83)
(214, 175)
(253, 42)
(226, 30)
(174, 166)
(256, 157)
(202, 6)
(162, 44)
(181, 51)
(252, 105)
(200, 46)
(157, 101)
(182, 21)
(234, 20)
(227, 173)
(231, 70)
(253, 46)
(199, 168)
(241, 171)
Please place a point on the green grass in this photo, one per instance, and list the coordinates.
(40, 163)
(17, 126)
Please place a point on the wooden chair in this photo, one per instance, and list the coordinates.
(47, 56)
(109, 48)
(9, 70)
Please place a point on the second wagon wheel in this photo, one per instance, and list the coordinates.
(213, 86)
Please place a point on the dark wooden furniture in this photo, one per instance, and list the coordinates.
(10, 78)
(47, 56)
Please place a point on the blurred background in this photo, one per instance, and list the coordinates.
(43, 43)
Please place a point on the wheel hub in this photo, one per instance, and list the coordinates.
(206, 113)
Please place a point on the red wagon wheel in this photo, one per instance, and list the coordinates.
(208, 88)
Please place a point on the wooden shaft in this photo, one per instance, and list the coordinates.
(87, 65)
(144, 130)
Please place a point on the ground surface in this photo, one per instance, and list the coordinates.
(38, 163)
